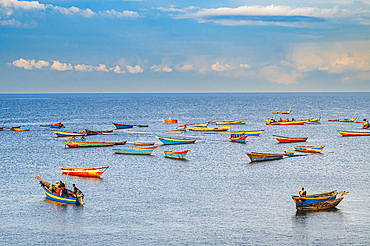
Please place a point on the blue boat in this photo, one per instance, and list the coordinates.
(176, 155)
(122, 126)
(136, 151)
(165, 140)
(315, 198)
(78, 200)
(253, 156)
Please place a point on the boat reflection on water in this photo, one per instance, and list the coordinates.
(302, 217)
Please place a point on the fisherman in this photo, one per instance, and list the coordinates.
(365, 124)
(302, 193)
(75, 191)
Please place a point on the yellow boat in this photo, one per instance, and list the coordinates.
(210, 129)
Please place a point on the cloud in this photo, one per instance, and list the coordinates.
(117, 69)
(89, 68)
(246, 66)
(61, 66)
(26, 5)
(275, 75)
(218, 67)
(185, 67)
(161, 68)
(74, 10)
(172, 8)
(30, 64)
(125, 13)
(135, 69)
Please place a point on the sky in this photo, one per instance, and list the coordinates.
(167, 46)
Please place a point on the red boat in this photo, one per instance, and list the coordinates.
(282, 139)
(170, 120)
(84, 172)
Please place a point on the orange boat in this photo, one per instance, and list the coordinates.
(84, 172)
(143, 144)
(170, 120)
(285, 122)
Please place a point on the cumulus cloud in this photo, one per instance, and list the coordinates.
(274, 74)
(219, 67)
(172, 8)
(74, 10)
(246, 66)
(185, 67)
(117, 69)
(125, 14)
(161, 68)
(61, 66)
(30, 64)
(136, 69)
(26, 5)
(89, 68)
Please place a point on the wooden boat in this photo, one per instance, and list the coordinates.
(282, 139)
(253, 156)
(57, 125)
(314, 120)
(142, 125)
(239, 138)
(170, 121)
(229, 122)
(97, 132)
(181, 128)
(136, 151)
(288, 153)
(319, 201)
(310, 149)
(176, 155)
(71, 198)
(122, 126)
(210, 129)
(254, 133)
(344, 120)
(285, 112)
(292, 122)
(84, 172)
(166, 140)
(353, 133)
(82, 138)
(82, 144)
(202, 124)
(67, 134)
(143, 144)
(18, 129)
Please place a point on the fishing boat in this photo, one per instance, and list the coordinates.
(253, 156)
(56, 125)
(209, 129)
(18, 129)
(253, 133)
(238, 138)
(136, 151)
(314, 120)
(285, 112)
(82, 138)
(166, 140)
(319, 201)
(310, 149)
(144, 144)
(122, 126)
(288, 153)
(353, 133)
(284, 122)
(229, 122)
(67, 134)
(176, 155)
(84, 172)
(82, 144)
(170, 121)
(282, 139)
(344, 120)
(181, 128)
(71, 198)
(201, 124)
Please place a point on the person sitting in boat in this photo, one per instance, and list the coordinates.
(57, 185)
(365, 124)
(302, 193)
(76, 191)
(280, 119)
(58, 191)
(293, 119)
(287, 119)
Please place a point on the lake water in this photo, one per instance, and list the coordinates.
(215, 197)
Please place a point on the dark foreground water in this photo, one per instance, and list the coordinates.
(215, 197)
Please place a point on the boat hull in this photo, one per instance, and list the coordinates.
(165, 140)
(319, 201)
(176, 155)
(210, 129)
(309, 149)
(56, 198)
(84, 172)
(282, 139)
(229, 122)
(122, 126)
(171, 121)
(84, 144)
(136, 151)
(67, 134)
(353, 133)
(254, 133)
(286, 123)
(254, 157)
(344, 120)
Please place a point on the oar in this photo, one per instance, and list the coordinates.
(65, 182)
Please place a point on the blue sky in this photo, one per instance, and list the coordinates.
(184, 46)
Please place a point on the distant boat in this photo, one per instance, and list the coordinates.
(170, 120)
(84, 172)
(253, 156)
(68, 199)
(310, 149)
(314, 120)
(144, 144)
(284, 122)
(67, 134)
(344, 120)
(353, 133)
(97, 132)
(181, 128)
(82, 144)
(176, 155)
(136, 151)
(82, 138)
(122, 126)
(318, 201)
(288, 153)
(254, 133)
(210, 129)
(239, 138)
(201, 124)
(166, 140)
(285, 112)
(282, 139)
(229, 122)
(56, 125)
(18, 129)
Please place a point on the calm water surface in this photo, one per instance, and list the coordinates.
(215, 197)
